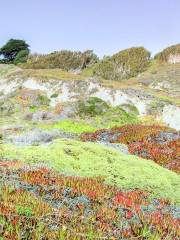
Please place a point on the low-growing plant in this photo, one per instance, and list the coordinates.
(92, 107)
(72, 126)
(91, 160)
(158, 143)
(26, 211)
(83, 208)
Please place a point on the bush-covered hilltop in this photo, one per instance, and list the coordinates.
(125, 64)
(66, 60)
(169, 54)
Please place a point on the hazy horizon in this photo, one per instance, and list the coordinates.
(101, 25)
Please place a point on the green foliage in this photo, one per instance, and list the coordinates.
(107, 70)
(54, 95)
(66, 60)
(145, 141)
(125, 64)
(70, 126)
(158, 104)
(88, 71)
(92, 160)
(167, 52)
(6, 69)
(11, 49)
(92, 107)
(21, 57)
(26, 211)
(33, 108)
(43, 100)
(117, 116)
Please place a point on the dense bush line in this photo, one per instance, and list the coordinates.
(66, 60)
(124, 64)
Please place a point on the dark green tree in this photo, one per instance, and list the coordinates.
(11, 49)
(21, 57)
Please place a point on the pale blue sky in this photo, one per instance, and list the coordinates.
(106, 26)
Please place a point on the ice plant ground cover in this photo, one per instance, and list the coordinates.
(87, 159)
(158, 143)
(40, 203)
(117, 180)
(67, 189)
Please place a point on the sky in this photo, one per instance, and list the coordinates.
(105, 26)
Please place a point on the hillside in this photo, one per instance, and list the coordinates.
(84, 157)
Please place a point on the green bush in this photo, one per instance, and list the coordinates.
(11, 49)
(43, 100)
(54, 95)
(92, 107)
(117, 116)
(125, 64)
(66, 60)
(164, 55)
(21, 57)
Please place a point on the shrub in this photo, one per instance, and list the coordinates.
(167, 52)
(26, 211)
(43, 100)
(11, 49)
(117, 116)
(92, 107)
(125, 64)
(66, 60)
(21, 57)
(54, 95)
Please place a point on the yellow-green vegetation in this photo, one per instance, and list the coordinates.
(73, 126)
(6, 69)
(64, 59)
(161, 71)
(167, 52)
(49, 74)
(92, 107)
(100, 114)
(124, 64)
(114, 116)
(150, 119)
(91, 160)
(117, 116)
(167, 99)
(88, 71)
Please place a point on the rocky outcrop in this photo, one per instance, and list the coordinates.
(171, 116)
(174, 59)
(70, 91)
(37, 136)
